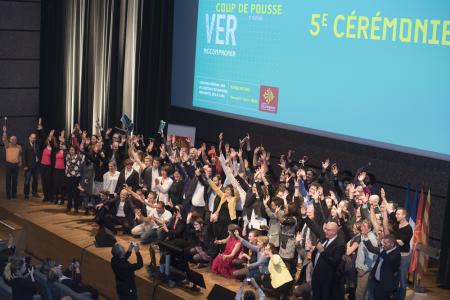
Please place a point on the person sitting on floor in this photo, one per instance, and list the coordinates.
(119, 211)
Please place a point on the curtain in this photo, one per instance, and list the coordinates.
(102, 58)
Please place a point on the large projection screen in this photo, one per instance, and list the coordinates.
(371, 72)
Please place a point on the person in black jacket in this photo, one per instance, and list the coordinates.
(326, 259)
(20, 278)
(385, 272)
(127, 176)
(117, 211)
(30, 161)
(124, 270)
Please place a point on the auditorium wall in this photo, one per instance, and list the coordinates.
(19, 65)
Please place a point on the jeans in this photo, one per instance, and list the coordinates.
(404, 264)
(152, 235)
(30, 174)
(12, 172)
(88, 199)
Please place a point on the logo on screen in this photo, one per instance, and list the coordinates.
(268, 99)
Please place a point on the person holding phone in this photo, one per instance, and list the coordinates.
(124, 270)
(250, 295)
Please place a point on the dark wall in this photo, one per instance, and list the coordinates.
(393, 170)
(19, 65)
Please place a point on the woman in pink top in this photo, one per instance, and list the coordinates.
(59, 173)
(46, 169)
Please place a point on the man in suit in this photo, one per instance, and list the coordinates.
(124, 270)
(127, 176)
(385, 272)
(31, 165)
(326, 259)
(118, 211)
(151, 173)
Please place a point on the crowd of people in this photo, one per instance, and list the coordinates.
(21, 275)
(284, 225)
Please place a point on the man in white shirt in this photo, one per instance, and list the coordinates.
(146, 223)
(158, 217)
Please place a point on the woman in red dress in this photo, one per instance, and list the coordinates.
(222, 264)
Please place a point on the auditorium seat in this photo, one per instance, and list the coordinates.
(6, 292)
(56, 290)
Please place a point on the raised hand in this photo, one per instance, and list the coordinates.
(334, 169)
(325, 164)
(362, 176)
(302, 173)
(39, 125)
(298, 237)
(221, 136)
(52, 132)
(333, 196)
(303, 210)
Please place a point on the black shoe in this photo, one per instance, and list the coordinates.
(27, 197)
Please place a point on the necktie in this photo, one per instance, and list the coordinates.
(379, 262)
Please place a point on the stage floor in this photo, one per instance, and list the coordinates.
(45, 230)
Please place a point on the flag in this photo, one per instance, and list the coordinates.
(417, 233)
(423, 259)
(407, 201)
(413, 215)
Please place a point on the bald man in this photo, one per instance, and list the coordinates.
(326, 257)
(13, 162)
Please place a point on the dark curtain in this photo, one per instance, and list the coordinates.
(154, 68)
(72, 33)
(51, 104)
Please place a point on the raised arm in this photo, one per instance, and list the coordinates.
(215, 188)
(5, 137)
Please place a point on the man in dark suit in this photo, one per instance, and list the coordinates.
(31, 165)
(385, 272)
(326, 259)
(127, 176)
(124, 270)
(117, 211)
(151, 173)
